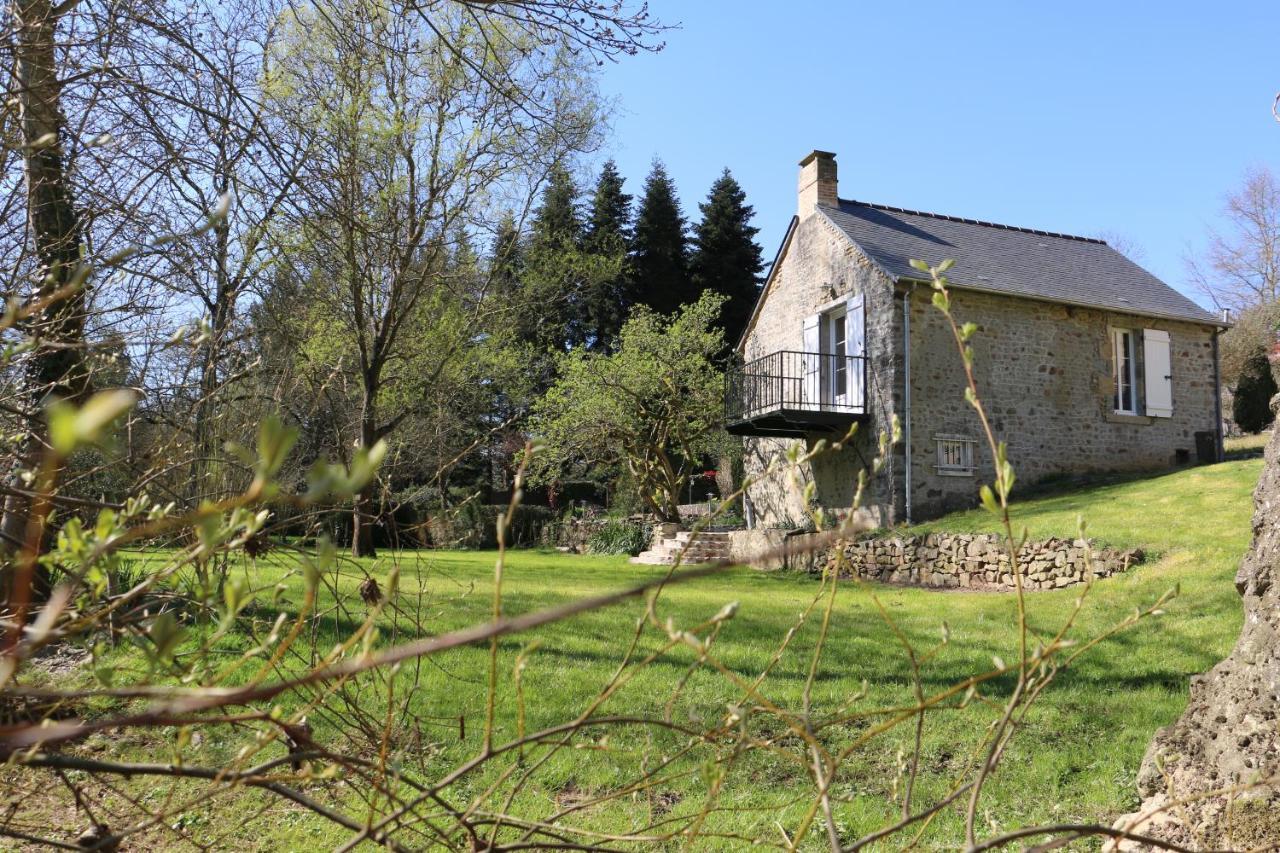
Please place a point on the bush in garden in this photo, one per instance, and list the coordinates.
(620, 536)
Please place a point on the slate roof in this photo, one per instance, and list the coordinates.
(1015, 261)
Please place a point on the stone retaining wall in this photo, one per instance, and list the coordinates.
(977, 561)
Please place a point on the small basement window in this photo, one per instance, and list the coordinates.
(955, 455)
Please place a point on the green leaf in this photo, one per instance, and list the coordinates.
(165, 634)
(919, 265)
(989, 500)
(947, 264)
(70, 427)
(275, 440)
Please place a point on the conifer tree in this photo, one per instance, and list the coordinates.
(659, 248)
(607, 299)
(506, 278)
(726, 258)
(552, 268)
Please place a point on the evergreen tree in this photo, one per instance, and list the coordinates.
(1251, 407)
(726, 258)
(606, 301)
(506, 279)
(553, 269)
(659, 248)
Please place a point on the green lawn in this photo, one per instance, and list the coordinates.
(1075, 760)
(1242, 446)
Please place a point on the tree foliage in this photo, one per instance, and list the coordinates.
(1251, 405)
(608, 299)
(408, 141)
(1253, 330)
(660, 247)
(726, 258)
(654, 407)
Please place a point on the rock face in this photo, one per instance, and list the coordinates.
(976, 561)
(1229, 735)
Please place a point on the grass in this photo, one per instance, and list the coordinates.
(1075, 759)
(1244, 446)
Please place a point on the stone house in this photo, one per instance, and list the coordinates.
(1084, 360)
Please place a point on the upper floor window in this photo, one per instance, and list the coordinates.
(1153, 348)
(1124, 367)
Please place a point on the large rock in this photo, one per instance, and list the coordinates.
(1229, 735)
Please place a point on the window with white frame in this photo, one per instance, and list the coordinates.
(1124, 368)
(955, 455)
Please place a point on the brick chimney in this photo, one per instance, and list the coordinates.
(817, 181)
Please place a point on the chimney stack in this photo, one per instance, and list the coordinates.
(817, 182)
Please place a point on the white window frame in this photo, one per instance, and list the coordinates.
(1118, 338)
(837, 346)
(954, 455)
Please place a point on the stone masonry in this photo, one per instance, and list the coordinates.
(819, 266)
(1043, 369)
(976, 561)
(1044, 375)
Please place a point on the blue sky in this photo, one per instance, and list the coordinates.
(1133, 118)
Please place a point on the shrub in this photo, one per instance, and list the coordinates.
(619, 536)
(1251, 408)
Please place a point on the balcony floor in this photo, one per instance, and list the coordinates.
(794, 423)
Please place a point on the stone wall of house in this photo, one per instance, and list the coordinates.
(819, 267)
(976, 561)
(1044, 372)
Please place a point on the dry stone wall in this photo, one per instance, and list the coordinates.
(977, 561)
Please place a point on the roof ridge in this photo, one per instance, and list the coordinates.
(1042, 233)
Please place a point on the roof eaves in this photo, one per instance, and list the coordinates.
(1181, 318)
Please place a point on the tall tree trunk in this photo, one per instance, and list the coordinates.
(56, 367)
(205, 468)
(362, 509)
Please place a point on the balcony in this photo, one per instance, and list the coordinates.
(792, 394)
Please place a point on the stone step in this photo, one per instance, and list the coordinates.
(688, 547)
(704, 536)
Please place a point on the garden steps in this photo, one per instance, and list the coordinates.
(702, 547)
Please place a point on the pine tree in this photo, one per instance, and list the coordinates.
(659, 248)
(552, 263)
(726, 257)
(606, 300)
(506, 279)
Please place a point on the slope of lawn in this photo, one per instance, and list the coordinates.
(1074, 760)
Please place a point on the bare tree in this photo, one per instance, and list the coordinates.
(54, 367)
(1124, 244)
(410, 142)
(1241, 267)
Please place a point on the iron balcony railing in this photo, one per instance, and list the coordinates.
(796, 382)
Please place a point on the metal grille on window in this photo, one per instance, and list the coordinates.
(955, 455)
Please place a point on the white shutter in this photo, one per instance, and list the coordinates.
(811, 364)
(856, 326)
(1159, 373)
